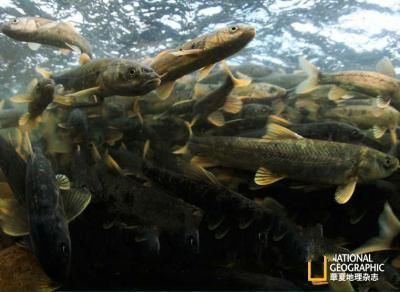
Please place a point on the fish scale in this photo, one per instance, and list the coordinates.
(327, 162)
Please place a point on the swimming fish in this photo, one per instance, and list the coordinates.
(282, 153)
(200, 53)
(38, 30)
(45, 215)
(106, 77)
(367, 115)
(39, 95)
(371, 83)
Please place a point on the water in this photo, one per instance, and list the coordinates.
(142, 228)
(333, 34)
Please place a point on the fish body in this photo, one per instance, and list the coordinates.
(40, 94)
(49, 230)
(365, 115)
(78, 126)
(205, 106)
(45, 31)
(329, 162)
(371, 83)
(259, 91)
(201, 52)
(329, 130)
(112, 76)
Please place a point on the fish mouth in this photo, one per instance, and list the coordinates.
(153, 83)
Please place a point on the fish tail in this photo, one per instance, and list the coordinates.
(236, 82)
(312, 76)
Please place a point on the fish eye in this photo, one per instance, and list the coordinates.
(355, 133)
(387, 162)
(132, 72)
(233, 28)
(64, 249)
(14, 20)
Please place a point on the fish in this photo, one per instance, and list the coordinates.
(371, 83)
(38, 30)
(13, 169)
(367, 115)
(202, 53)
(254, 92)
(328, 130)
(227, 211)
(77, 125)
(175, 219)
(39, 96)
(107, 77)
(206, 107)
(285, 154)
(49, 205)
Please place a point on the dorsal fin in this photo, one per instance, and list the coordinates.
(275, 131)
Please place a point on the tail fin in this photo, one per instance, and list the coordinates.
(236, 82)
(312, 76)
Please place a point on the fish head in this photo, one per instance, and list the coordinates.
(129, 78)
(19, 26)
(235, 36)
(77, 119)
(345, 132)
(52, 247)
(256, 110)
(376, 165)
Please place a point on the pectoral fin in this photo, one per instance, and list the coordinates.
(344, 192)
(73, 47)
(378, 131)
(203, 73)
(203, 162)
(75, 202)
(86, 93)
(64, 52)
(233, 105)
(63, 182)
(279, 120)
(24, 119)
(14, 218)
(21, 99)
(165, 89)
(336, 93)
(34, 46)
(265, 177)
(199, 173)
(216, 118)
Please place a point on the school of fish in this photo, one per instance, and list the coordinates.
(186, 167)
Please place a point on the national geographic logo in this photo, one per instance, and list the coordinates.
(344, 267)
(321, 280)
